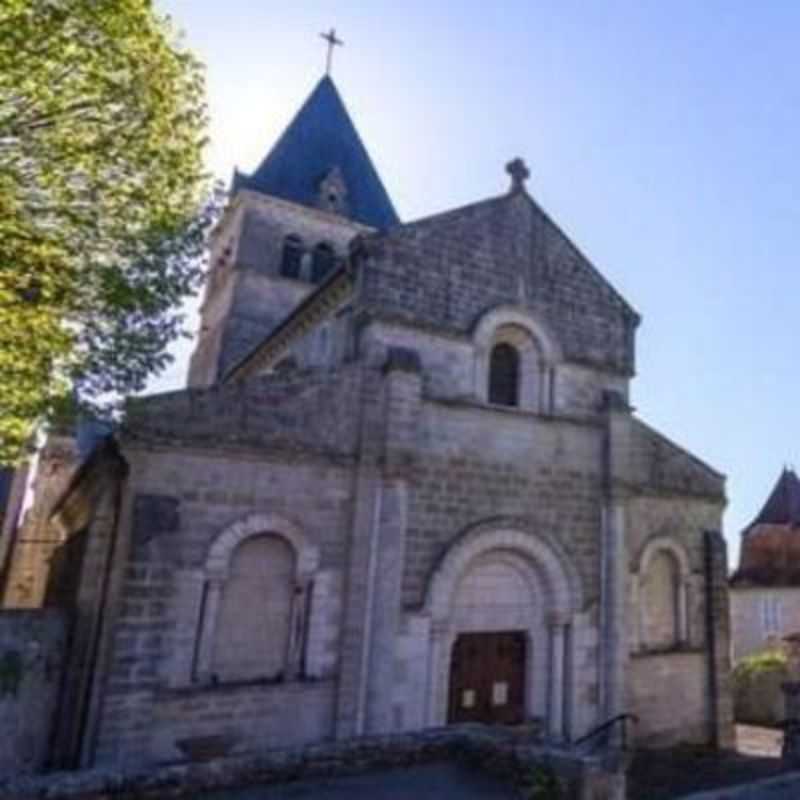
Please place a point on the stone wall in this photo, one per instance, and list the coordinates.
(676, 525)
(669, 694)
(182, 501)
(240, 719)
(36, 539)
(305, 411)
(498, 469)
(478, 463)
(32, 652)
(450, 370)
(445, 271)
(673, 522)
(529, 767)
(10, 513)
(246, 296)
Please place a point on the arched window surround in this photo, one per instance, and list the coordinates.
(217, 571)
(538, 352)
(659, 545)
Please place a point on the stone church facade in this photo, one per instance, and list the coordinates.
(403, 488)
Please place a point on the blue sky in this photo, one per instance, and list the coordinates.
(662, 137)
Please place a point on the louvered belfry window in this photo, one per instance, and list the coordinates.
(292, 257)
(324, 260)
(504, 375)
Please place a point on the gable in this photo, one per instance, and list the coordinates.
(447, 271)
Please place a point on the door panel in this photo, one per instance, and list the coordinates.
(487, 678)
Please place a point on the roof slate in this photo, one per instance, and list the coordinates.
(783, 504)
(320, 137)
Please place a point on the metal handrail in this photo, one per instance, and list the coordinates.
(607, 725)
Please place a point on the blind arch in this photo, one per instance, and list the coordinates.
(253, 628)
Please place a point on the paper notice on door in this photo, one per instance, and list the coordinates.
(499, 694)
(468, 698)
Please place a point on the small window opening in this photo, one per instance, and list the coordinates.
(504, 375)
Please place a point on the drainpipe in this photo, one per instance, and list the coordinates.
(711, 637)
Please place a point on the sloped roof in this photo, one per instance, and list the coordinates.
(321, 137)
(659, 463)
(783, 504)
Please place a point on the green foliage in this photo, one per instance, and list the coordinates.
(759, 663)
(104, 204)
(541, 783)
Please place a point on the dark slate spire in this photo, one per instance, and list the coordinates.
(783, 505)
(319, 141)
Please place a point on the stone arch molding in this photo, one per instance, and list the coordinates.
(221, 549)
(658, 544)
(538, 351)
(513, 537)
(216, 574)
(515, 317)
(544, 564)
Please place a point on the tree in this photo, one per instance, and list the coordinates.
(104, 203)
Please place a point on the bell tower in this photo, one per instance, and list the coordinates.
(286, 227)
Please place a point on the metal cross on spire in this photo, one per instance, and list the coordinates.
(330, 38)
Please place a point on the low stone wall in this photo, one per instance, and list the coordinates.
(758, 698)
(32, 650)
(667, 692)
(230, 719)
(543, 772)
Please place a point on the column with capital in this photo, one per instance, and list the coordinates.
(205, 651)
(557, 623)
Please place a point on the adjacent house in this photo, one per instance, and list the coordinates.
(765, 589)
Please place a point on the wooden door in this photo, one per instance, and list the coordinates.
(487, 678)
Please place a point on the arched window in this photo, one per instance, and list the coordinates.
(504, 375)
(251, 639)
(661, 605)
(292, 257)
(324, 259)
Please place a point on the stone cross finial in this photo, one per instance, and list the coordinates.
(519, 174)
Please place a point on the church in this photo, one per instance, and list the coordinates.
(404, 488)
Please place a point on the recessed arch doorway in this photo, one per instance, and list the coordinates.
(502, 605)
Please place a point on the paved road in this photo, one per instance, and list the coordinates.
(787, 788)
(429, 782)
